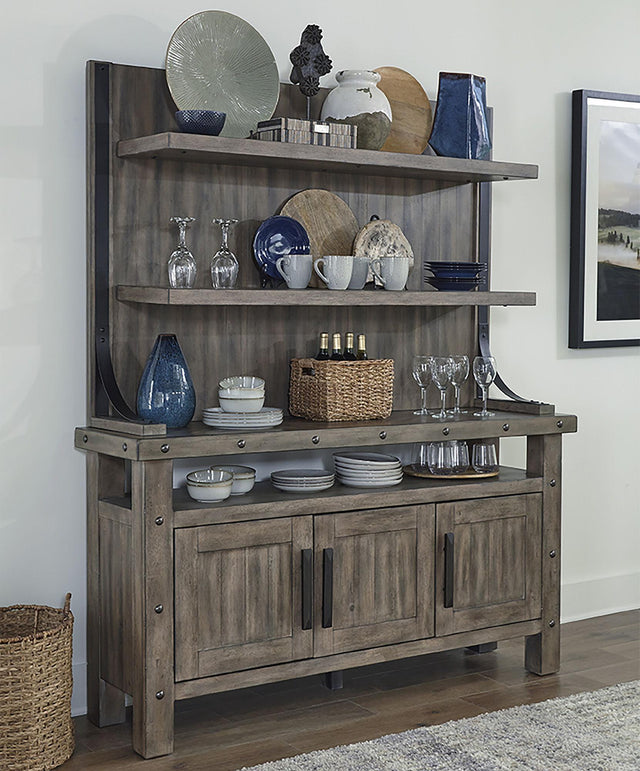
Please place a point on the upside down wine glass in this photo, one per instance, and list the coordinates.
(441, 369)
(182, 265)
(421, 371)
(484, 372)
(224, 265)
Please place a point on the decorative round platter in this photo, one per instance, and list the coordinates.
(382, 238)
(276, 237)
(411, 109)
(218, 61)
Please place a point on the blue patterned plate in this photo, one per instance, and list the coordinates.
(277, 237)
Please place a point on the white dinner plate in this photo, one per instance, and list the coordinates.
(366, 457)
(302, 474)
(369, 483)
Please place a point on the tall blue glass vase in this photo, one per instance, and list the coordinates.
(460, 126)
(166, 393)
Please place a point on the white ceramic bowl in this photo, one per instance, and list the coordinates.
(209, 485)
(242, 381)
(244, 478)
(241, 403)
(241, 392)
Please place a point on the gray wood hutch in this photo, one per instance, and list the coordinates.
(185, 598)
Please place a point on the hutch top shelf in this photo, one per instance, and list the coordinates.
(249, 152)
(157, 295)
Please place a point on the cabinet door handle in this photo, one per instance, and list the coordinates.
(448, 570)
(307, 588)
(327, 588)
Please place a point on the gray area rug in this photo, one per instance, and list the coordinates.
(594, 731)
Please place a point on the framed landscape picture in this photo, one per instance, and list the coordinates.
(604, 301)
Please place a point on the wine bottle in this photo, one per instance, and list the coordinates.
(323, 353)
(349, 353)
(336, 347)
(362, 348)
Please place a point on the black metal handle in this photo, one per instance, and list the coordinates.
(307, 588)
(327, 588)
(448, 570)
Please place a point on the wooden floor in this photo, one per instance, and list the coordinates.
(224, 732)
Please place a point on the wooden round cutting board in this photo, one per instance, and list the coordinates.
(382, 238)
(328, 220)
(411, 111)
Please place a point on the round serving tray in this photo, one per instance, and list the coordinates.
(419, 471)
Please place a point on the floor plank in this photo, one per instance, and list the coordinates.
(226, 731)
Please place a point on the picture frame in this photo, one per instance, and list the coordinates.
(604, 287)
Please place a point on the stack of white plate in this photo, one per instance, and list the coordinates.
(367, 469)
(302, 480)
(218, 418)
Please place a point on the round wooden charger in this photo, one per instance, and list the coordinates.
(328, 220)
(418, 471)
(411, 110)
(382, 238)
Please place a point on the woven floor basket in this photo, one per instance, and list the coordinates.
(36, 732)
(341, 390)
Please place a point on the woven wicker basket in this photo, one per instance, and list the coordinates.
(36, 732)
(341, 390)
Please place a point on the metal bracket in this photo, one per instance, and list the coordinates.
(107, 390)
(484, 255)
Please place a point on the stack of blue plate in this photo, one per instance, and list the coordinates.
(455, 276)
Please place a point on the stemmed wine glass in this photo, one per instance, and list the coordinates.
(441, 369)
(459, 374)
(484, 372)
(421, 371)
(182, 265)
(224, 265)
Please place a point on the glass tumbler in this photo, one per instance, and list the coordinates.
(484, 459)
(440, 459)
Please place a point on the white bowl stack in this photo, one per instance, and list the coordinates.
(367, 469)
(209, 485)
(242, 405)
(302, 480)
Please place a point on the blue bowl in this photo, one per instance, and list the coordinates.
(201, 121)
(453, 284)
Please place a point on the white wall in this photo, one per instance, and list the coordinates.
(532, 54)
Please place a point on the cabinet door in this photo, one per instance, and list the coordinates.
(488, 562)
(374, 578)
(239, 595)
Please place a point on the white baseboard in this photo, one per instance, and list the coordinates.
(79, 695)
(600, 596)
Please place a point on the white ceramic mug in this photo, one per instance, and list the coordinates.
(392, 271)
(338, 269)
(295, 269)
(359, 273)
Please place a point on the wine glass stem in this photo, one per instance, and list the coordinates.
(456, 391)
(485, 393)
(423, 394)
(183, 234)
(443, 396)
(225, 236)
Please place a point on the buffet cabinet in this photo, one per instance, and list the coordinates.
(188, 598)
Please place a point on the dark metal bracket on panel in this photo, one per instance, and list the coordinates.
(107, 390)
(484, 255)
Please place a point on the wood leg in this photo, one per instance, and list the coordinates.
(152, 674)
(544, 458)
(483, 648)
(105, 702)
(333, 680)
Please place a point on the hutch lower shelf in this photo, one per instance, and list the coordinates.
(188, 598)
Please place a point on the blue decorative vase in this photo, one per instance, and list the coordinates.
(460, 126)
(166, 393)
